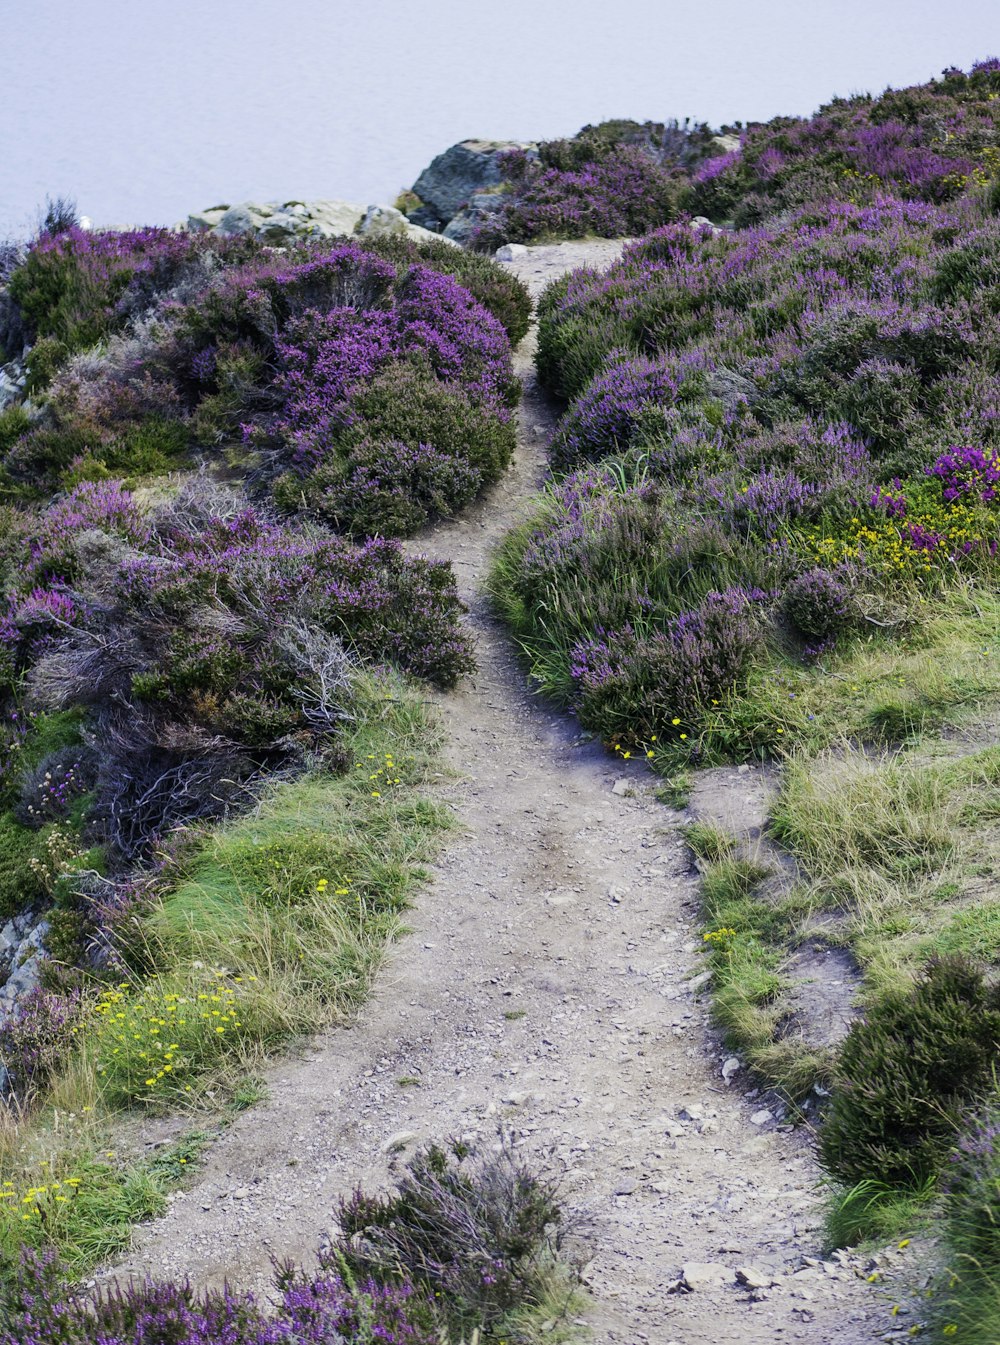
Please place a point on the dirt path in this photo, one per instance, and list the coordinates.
(544, 985)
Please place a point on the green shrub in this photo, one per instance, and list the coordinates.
(21, 884)
(45, 358)
(970, 1297)
(13, 423)
(409, 406)
(908, 1073)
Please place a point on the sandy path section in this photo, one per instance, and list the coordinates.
(544, 988)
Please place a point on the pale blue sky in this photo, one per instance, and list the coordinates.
(145, 109)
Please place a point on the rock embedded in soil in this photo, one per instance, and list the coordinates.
(699, 1276)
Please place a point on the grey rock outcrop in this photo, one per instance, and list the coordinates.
(281, 222)
(12, 380)
(286, 222)
(380, 220)
(726, 144)
(22, 941)
(454, 178)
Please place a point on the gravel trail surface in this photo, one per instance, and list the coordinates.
(544, 987)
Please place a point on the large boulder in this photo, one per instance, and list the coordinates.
(458, 174)
(289, 221)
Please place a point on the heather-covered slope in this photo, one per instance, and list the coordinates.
(772, 534)
(623, 178)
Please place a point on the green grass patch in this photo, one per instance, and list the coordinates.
(747, 937)
(875, 1212)
(264, 930)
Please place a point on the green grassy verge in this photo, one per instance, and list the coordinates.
(897, 856)
(262, 931)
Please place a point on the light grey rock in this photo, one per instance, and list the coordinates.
(241, 219)
(753, 1277)
(12, 380)
(279, 228)
(510, 252)
(279, 223)
(699, 982)
(730, 388)
(426, 217)
(730, 1068)
(623, 788)
(23, 955)
(761, 1118)
(331, 219)
(203, 220)
(398, 1142)
(460, 228)
(727, 144)
(381, 220)
(701, 1275)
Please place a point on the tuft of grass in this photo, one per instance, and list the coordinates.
(899, 846)
(876, 1212)
(708, 842)
(675, 791)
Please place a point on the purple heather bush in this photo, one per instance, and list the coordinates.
(35, 1039)
(214, 343)
(206, 643)
(929, 142)
(460, 1245)
(316, 1309)
(623, 194)
(781, 407)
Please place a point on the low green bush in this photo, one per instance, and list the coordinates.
(907, 1075)
(22, 884)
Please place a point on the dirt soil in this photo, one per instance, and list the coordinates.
(544, 986)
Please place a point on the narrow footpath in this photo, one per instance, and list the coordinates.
(544, 987)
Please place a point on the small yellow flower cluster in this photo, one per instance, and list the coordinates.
(721, 935)
(648, 750)
(381, 773)
(38, 1202)
(146, 1030)
(960, 530)
(323, 886)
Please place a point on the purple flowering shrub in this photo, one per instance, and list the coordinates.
(630, 685)
(472, 1229)
(817, 603)
(817, 397)
(75, 286)
(493, 286)
(206, 644)
(289, 361)
(425, 370)
(623, 194)
(461, 1244)
(35, 1039)
(929, 142)
(313, 1309)
(613, 179)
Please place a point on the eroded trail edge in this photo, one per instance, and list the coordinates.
(544, 987)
